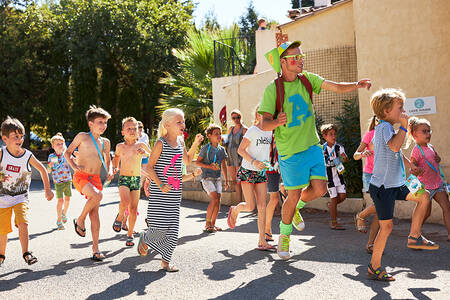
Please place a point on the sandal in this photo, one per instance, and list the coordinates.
(369, 249)
(267, 247)
(268, 237)
(79, 227)
(422, 244)
(60, 225)
(29, 258)
(129, 242)
(209, 229)
(2, 257)
(117, 226)
(141, 239)
(336, 226)
(170, 269)
(379, 274)
(358, 226)
(63, 218)
(124, 227)
(97, 256)
(217, 228)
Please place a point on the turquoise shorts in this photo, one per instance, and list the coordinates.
(300, 168)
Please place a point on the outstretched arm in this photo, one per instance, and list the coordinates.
(40, 167)
(345, 87)
(189, 156)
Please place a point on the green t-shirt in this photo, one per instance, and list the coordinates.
(300, 132)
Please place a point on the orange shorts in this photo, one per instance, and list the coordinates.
(80, 179)
(20, 216)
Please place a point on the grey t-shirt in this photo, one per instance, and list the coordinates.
(211, 155)
(387, 167)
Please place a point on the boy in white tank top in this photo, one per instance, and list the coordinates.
(15, 178)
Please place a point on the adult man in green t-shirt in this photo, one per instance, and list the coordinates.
(301, 158)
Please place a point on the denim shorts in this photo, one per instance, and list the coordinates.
(435, 191)
(384, 199)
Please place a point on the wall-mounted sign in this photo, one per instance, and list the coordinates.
(420, 106)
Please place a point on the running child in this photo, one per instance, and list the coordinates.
(424, 156)
(388, 179)
(365, 150)
(15, 178)
(62, 178)
(127, 158)
(164, 168)
(212, 160)
(93, 154)
(334, 154)
(255, 150)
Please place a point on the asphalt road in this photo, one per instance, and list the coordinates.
(325, 264)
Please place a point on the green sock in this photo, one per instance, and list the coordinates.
(285, 229)
(300, 204)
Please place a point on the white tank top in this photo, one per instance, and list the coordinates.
(15, 189)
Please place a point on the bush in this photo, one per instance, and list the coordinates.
(350, 137)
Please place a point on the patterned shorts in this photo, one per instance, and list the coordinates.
(131, 182)
(250, 176)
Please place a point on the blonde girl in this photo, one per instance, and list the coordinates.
(255, 150)
(165, 170)
(425, 157)
(62, 178)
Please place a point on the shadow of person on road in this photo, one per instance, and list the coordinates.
(35, 235)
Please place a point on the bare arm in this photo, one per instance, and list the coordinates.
(189, 156)
(68, 154)
(242, 151)
(150, 172)
(269, 124)
(225, 173)
(358, 153)
(116, 159)
(40, 167)
(345, 87)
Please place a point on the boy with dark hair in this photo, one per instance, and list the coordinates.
(93, 152)
(15, 182)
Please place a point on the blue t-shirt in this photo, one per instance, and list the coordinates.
(211, 155)
(387, 167)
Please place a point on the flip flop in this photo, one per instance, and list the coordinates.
(170, 269)
(79, 227)
(269, 248)
(29, 258)
(209, 229)
(217, 228)
(268, 237)
(97, 256)
(229, 218)
(141, 238)
(117, 224)
(129, 242)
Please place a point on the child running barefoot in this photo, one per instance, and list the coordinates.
(388, 179)
(212, 159)
(129, 154)
(93, 154)
(334, 154)
(255, 150)
(365, 150)
(164, 168)
(15, 171)
(425, 157)
(62, 178)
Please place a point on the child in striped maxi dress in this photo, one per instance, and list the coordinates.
(164, 168)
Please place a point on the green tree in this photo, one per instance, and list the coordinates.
(210, 21)
(295, 4)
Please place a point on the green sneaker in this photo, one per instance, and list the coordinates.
(283, 247)
(297, 221)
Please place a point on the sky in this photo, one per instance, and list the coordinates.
(229, 11)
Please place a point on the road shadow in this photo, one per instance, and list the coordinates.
(35, 235)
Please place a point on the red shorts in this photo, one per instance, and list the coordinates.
(80, 179)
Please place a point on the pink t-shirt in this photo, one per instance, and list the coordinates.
(429, 178)
(368, 136)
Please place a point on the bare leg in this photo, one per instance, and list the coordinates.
(232, 172)
(369, 210)
(59, 206)
(380, 242)
(260, 193)
(94, 196)
(66, 204)
(249, 204)
(3, 241)
(442, 199)
(274, 199)
(216, 210)
(23, 236)
(423, 202)
(132, 211)
(373, 231)
(125, 200)
(95, 227)
(213, 202)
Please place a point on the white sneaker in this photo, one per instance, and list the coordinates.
(283, 247)
(297, 221)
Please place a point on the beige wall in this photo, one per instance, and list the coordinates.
(406, 44)
(265, 41)
(330, 28)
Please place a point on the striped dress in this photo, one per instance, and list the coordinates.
(163, 212)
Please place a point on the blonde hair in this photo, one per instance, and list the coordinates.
(129, 119)
(255, 112)
(413, 123)
(324, 129)
(384, 99)
(167, 115)
(372, 123)
(57, 137)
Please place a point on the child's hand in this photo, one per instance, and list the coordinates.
(437, 158)
(197, 172)
(282, 118)
(165, 188)
(404, 120)
(364, 83)
(259, 164)
(214, 167)
(416, 170)
(110, 176)
(198, 139)
(49, 194)
(227, 186)
(366, 153)
(140, 151)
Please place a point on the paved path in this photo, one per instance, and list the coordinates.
(325, 264)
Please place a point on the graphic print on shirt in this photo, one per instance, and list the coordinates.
(300, 110)
(174, 181)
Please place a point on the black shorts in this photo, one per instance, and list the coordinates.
(273, 182)
(384, 199)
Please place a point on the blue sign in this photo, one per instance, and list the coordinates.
(419, 103)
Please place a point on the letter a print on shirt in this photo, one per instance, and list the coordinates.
(300, 110)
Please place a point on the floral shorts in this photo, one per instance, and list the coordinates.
(250, 176)
(131, 182)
